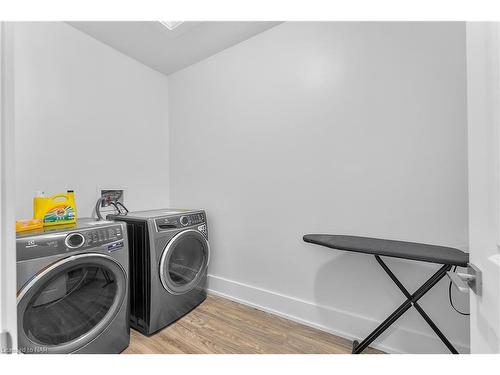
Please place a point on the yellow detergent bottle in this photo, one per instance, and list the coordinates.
(55, 210)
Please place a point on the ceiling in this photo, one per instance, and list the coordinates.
(168, 51)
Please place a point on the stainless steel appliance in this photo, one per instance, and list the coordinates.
(169, 256)
(72, 286)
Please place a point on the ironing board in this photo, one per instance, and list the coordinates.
(446, 256)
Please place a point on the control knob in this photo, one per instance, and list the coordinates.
(74, 240)
(184, 221)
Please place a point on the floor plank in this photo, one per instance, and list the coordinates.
(221, 326)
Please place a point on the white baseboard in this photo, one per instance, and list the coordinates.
(328, 319)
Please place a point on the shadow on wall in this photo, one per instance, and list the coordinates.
(361, 303)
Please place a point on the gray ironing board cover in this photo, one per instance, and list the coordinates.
(391, 248)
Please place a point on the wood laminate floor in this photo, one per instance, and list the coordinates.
(221, 326)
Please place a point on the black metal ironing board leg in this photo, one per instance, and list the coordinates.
(417, 306)
(411, 300)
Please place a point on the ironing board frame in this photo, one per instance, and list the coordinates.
(411, 300)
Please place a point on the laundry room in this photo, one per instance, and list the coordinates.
(249, 187)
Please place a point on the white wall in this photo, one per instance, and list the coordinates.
(354, 128)
(87, 116)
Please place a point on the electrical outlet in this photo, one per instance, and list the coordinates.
(109, 195)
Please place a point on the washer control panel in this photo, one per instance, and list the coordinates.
(51, 242)
(101, 236)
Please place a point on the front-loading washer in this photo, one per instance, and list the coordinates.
(72, 284)
(169, 256)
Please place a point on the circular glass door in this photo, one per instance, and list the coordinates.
(183, 261)
(69, 303)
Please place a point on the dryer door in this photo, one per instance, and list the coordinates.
(184, 261)
(68, 304)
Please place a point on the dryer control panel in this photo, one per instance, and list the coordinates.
(192, 219)
(181, 221)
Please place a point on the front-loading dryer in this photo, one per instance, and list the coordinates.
(72, 284)
(169, 256)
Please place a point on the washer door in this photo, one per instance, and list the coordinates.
(184, 261)
(69, 303)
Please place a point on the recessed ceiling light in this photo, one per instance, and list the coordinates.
(171, 24)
